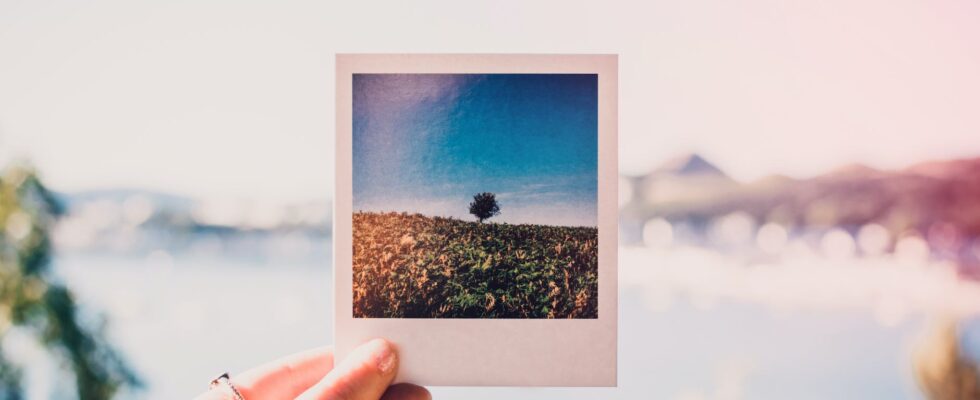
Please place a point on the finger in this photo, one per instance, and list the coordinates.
(286, 377)
(406, 391)
(363, 375)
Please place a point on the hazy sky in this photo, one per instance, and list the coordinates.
(427, 143)
(230, 98)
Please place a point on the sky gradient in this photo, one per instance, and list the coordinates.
(109, 93)
(428, 142)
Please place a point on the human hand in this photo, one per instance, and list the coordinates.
(366, 374)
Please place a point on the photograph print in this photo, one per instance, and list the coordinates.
(475, 196)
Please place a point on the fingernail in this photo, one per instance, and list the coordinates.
(384, 355)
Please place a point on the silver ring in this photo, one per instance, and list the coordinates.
(224, 379)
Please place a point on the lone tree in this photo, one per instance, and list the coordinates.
(484, 206)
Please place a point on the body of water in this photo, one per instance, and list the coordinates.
(182, 320)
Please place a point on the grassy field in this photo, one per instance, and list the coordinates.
(414, 266)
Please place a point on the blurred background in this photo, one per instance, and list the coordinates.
(799, 189)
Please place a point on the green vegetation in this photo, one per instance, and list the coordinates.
(414, 266)
(32, 302)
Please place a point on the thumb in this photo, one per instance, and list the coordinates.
(363, 375)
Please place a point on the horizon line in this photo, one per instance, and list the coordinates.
(462, 220)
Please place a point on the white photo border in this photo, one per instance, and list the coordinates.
(487, 352)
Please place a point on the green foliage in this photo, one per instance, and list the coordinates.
(413, 266)
(32, 301)
(484, 205)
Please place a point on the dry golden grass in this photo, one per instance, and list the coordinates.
(414, 266)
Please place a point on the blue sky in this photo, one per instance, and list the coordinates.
(428, 142)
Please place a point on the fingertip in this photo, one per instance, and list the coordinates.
(383, 355)
(364, 374)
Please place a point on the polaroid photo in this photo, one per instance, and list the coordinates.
(475, 220)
